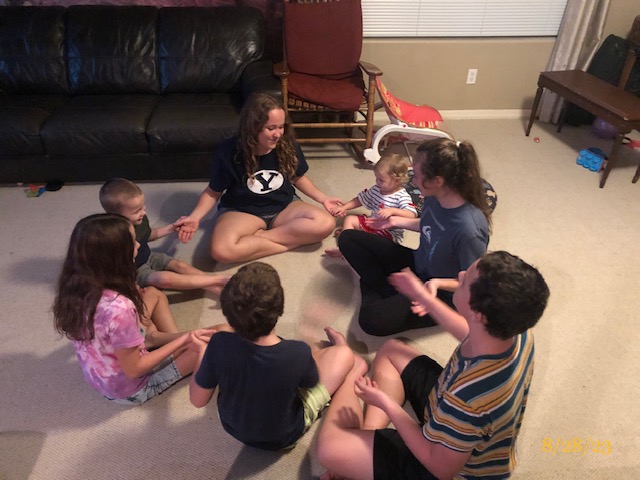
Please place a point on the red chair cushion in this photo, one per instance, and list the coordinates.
(342, 94)
(323, 38)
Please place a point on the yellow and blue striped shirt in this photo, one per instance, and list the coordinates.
(478, 405)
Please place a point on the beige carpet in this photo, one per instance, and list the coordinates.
(584, 239)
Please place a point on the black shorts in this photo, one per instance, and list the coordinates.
(391, 457)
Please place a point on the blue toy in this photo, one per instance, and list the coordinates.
(591, 158)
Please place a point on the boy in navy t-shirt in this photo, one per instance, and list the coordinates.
(270, 389)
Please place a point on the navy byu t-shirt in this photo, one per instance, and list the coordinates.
(268, 192)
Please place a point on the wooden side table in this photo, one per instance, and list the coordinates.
(614, 105)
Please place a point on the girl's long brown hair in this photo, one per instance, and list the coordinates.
(457, 163)
(254, 116)
(99, 257)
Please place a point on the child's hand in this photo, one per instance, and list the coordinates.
(384, 213)
(203, 334)
(377, 223)
(186, 227)
(340, 211)
(369, 392)
(419, 309)
(432, 286)
(166, 230)
(407, 283)
(219, 327)
(197, 341)
(331, 203)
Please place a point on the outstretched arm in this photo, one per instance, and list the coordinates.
(446, 284)
(341, 211)
(307, 187)
(162, 231)
(188, 225)
(395, 212)
(199, 396)
(394, 222)
(135, 365)
(408, 284)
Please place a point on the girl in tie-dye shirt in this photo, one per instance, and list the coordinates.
(98, 306)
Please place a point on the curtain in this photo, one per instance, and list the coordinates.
(579, 36)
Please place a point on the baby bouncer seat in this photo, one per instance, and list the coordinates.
(409, 124)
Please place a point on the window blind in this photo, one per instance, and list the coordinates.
(462, 18)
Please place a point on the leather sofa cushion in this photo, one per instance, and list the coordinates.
(28, 34)
(204, 49)
(21, 118)
(192, 123)
(112, 49)
(100, 124)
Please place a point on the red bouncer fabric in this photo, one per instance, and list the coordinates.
(420, 116)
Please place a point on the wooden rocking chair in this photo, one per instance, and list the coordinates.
(322, 75)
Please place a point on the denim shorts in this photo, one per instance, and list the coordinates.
(165, 375)
(157, 262)
(268, 218)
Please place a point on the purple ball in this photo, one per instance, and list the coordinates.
(602, 129)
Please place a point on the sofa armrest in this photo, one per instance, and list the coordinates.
(258, 77)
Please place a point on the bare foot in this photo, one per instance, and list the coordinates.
(333, 252)
(221, 281)
(335, 337)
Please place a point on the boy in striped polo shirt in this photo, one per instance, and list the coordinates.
(470, 411)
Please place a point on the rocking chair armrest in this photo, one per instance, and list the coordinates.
(281, 69)
(370, 69)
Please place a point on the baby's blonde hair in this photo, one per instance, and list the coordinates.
(394, 165)
(115, 192)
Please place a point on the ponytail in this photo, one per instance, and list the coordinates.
(457, 164)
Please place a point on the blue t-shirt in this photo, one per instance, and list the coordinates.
(266, 193)
(451, 239)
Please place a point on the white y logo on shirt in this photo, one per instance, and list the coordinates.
(267, 181)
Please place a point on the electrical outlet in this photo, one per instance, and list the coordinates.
(472, 74)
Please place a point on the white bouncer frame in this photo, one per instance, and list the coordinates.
(372, 155)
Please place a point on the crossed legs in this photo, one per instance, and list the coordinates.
(346, 438)
(240, 237)
(182, 276)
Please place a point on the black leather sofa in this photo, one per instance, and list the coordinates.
(91, 92)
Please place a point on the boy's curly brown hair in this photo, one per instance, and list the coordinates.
(252, 300)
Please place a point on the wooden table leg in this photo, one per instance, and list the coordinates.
(617, 143)
(563, 115)
(534, 110)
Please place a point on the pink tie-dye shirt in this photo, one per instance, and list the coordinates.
(116, 326)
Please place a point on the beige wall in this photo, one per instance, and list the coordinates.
(434, 71)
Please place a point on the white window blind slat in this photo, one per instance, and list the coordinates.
(462, 18)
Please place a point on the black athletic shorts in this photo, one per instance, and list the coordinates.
(391, 457)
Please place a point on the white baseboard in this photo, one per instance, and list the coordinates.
(381, 118)
(484, 114)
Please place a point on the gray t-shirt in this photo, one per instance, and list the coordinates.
(451, 239)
